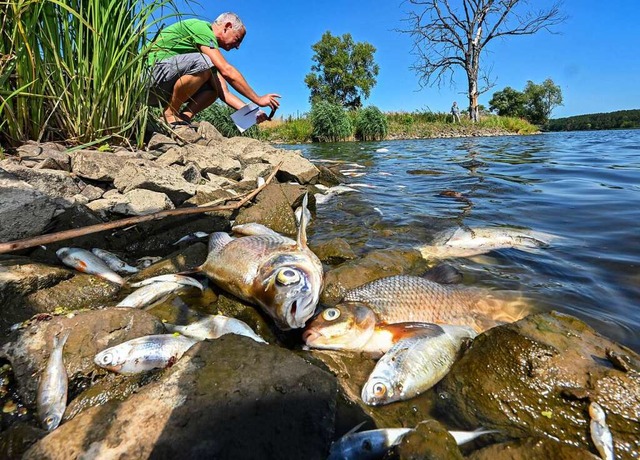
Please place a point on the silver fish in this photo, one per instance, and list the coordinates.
(150, 293)
(171, 278)
(214, 326)
(461, 242)
(600, 433)
(191, 237)
(86, 262)
(277, 273)
(144, 353)
(463, 437)
(52, 390)
(365, 445)
(414, 365)
(252, 228)
(114, 262)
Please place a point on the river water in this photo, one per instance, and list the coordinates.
(583, 187)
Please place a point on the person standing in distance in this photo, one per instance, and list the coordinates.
(188, 68)
(455, 112)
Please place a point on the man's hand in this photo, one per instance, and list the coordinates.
(269, 100)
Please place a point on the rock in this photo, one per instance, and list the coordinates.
(141, 202)
(46, 155)
(329, 177)
(429, 441)
(96, 165)
(227, 398)
(253, 171)
(191, 173)
(334, 252)
(212, 160)
(536, 378)
(376, 264)
(210, 134)
(24, 210)
(58, 184)
(91, 332)
(272, 209)
(92, 192)
(294, 167)
(159, 144)
(174, 155)
(532, 449)
(180, 260)
(15, 441)
(143, 174)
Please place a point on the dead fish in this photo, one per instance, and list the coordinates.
(214, 326)
(252, 228)
(86, 262)
(354, 327)
(144, 353)
(463, 437)
(322, 198)
(414, 365)
(405, 298)
(114, 262)
(171, 278)
(365, 445)
(145, 262)
(52, 390)
(150, 294)
(461, 242)
(600, 433)
(362, 185)
(191, 237)
(277, 273)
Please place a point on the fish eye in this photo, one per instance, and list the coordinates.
(331, 314)
(379, 390)
(106, 358)
(287, 276)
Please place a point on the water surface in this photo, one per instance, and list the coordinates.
(581, 186)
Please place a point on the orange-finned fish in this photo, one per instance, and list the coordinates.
(87, 262)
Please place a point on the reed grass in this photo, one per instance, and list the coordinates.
(219, 115)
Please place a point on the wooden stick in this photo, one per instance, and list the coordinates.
(76, 232)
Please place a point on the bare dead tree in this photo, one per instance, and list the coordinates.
(448, 37)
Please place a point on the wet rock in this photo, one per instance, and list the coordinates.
(375, 265)
(272, 209)
(329, 177)
(532, 449)
(537, 377)
(96, 165)
(429, 441)
(28, 349)
(24, 210)
(15, 441)
(333, 252)
(227, 398)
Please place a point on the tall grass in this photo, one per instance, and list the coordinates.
(371, 124)
(74, 70)
(330, 122)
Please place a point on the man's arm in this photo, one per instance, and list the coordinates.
(235, 79)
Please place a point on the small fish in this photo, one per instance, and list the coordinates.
(366, 445)
(354, 327)
(414, 365)
(114, 262)
(281, 275)
(149, 294)
(461, 242)
(382, 150)
(52, 390)
(333, 191)
(600, 433)
(191, 237)
(86, 262)
(378, 211)
(463, 437)
(171, 278)
(145, 262)
(358, 184)
(144, 353)
(214, 326)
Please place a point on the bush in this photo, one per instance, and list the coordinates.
(371, 124)
(219, 115)
(330, 122)
(291, 131)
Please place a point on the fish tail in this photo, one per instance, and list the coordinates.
(501, 308)
(302, 226)
(59, 341)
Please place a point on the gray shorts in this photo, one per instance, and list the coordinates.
(166, 73)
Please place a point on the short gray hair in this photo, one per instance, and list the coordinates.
(236, 22)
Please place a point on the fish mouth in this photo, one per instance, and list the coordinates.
(298, 312)
(309, 336)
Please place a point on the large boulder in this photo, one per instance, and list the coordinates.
(272, 209)
(57, 184)
(294, 166)
(228, 398)
(536, 378)
(100, 166)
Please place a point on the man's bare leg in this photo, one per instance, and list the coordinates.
(204, 99)
(185, 87)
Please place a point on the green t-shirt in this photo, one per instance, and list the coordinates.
(181, 38)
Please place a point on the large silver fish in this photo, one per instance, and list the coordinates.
(414, 365)
(405, 298)
(144, 353)
(52, 391)
(468, 242)
(277, 273)
(87, 262)
(213, 327)
(600, 433)
(114, 262)
(155, 290)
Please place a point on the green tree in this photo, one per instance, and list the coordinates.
(343, 72)
(508, 103)
(540, 100)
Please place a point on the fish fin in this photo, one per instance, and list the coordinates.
(253, 228)
(60, 341)
(444, 274)
(402, 331)
(217, 241)
(191, 271)
(355, 428)
(302, 226)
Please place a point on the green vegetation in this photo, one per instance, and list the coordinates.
(73, 71)
(622, 119)
(344, 71)
(535, 104)
(330, 122)
(370, 124)
(219, 115)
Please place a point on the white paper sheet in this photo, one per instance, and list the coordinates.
(245, 117)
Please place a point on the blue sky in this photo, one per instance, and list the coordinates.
(593, 58)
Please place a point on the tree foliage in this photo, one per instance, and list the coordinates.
(452, 36)
(535, 104)
(344, 72)
(624, 119)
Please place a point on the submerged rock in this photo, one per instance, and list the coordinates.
(537, 377)
(532, 449)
